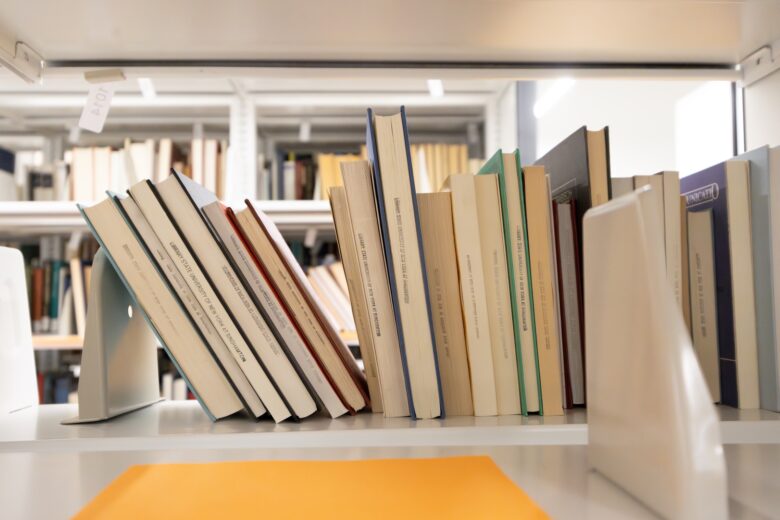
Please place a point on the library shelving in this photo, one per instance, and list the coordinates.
(254, 55)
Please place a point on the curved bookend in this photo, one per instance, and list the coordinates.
(119, 359)
(652, 428)
(18, 388)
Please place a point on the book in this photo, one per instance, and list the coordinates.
(579, 169)
(388, 150)
(272, 252)
(570, 288)
(507, 166)
(166, 317)
(686, 284)
(187, 298)
(459, 487)
(359, 189)
(267, 302)
(468, 244)
(183, 200)
(79, 295)
(440, 253)
(725, 188)
(621, 186)
(703, 313)
(765, 227)
(499, 302)
(544, 285)
(190, 266)
(342, 221)
(666, 185)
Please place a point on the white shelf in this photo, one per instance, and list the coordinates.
(182, 425)
(44, 217)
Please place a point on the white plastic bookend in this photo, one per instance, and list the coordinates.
(18, 387)
(119, 359)
(652, 428)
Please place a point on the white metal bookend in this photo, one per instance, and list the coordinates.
(119, 359)
(652, 428)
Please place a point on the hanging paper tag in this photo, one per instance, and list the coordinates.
(93, 117)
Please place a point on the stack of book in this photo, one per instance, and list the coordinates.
(228, 302)
(468, 301)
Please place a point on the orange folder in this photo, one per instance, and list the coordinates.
(453, 487)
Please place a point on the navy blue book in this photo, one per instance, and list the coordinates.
(387, 142)
(710, 189)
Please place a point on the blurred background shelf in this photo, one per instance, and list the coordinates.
(31, 218)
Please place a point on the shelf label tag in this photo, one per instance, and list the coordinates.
(93, 117)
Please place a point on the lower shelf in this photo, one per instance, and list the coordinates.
(183, 425)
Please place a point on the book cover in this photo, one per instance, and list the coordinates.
(387, 141)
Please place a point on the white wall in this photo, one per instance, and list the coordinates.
(653, 125)
(762, 112)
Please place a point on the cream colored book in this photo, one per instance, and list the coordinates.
(143, 194)
(349, 257)
(375, 287)
(543, 278)
(498, 301)
(441, 264)
(685, 282)
(621, 186)
(598, 166)
(743, 291)
(704, 313)
(520, 267)
(473, 294)
(398, 218)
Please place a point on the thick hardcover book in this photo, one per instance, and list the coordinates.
(190, 266)
(184, 199)
(167, 319)
(579, 169)
(283, 270)
(359, 188)
(262, 294)
(765, 224)
(387, 142)
(724, 188)
(178, 285)
(507, 166)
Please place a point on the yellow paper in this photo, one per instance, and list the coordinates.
(454, 487)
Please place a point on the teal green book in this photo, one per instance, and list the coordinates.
(507, 167)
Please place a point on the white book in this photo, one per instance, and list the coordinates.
(179, 390)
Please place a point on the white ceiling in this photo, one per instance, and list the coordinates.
(680, 31)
